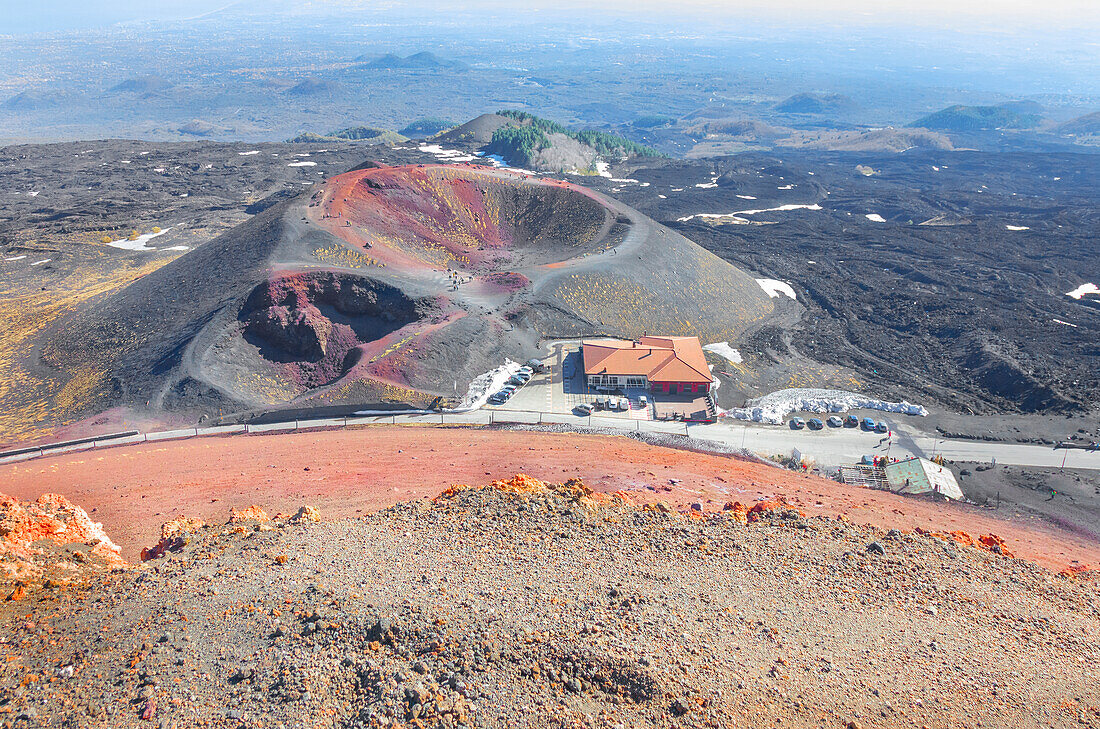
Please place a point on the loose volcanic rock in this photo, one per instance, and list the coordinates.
(48, 534)
(527, 603)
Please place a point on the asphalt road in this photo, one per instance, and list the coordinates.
(830, 446)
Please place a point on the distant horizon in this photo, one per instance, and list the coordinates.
(1072, 16)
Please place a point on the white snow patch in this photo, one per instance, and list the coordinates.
(482, 386)
(1017, 227)
(498, 161)
(785, 187)
(937, 169)
(663, 197)
(176, 248)
(124, 161)
(302, 164)
(248, 153)
(1084, 290)
(746, 197)
(677, 189)
(780, 209)
(15, 258)
(39, 263)
(159, 169)
(706, 185)
(723, 349)
(34, 193)
(774, 288)
(875, 218)
(137, 244)
(1059, 321)
(774, 407)
(303, 154)
(603, 169)
(448, 155)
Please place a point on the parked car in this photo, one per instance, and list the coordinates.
(815, 424)
(535, 365)
(643, 400)
(881, 427)
(624, 404)
(868, 424)
(584, 409)
(851, 421)
(517, 380)
(525, 370)
(835, 421)
(797, 423)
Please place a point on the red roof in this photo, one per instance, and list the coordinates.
(660, 359)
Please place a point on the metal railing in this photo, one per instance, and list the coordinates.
(472, 418)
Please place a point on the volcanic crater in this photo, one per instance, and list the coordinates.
(463, 219)
(387, 285)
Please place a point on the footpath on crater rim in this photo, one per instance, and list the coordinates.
(524, 603)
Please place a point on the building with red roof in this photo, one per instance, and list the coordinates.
(660, 364)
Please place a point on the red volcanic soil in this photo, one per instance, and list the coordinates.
(133, 489)
(438, 217)
(424, 208)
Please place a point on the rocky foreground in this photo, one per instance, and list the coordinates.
(527, 604)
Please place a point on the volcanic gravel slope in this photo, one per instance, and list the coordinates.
(523, 604)
(386, 286)
(940, 277)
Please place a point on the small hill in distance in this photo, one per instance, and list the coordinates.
(1087, 125)
(478, 130)
(141, 85)
(812, 103)
(889, 140)
(737, 128)
(427, 127)
(32, 100)
(527, 140)
(962, 118)
(417, 61)
(312, 87)
(370, 135)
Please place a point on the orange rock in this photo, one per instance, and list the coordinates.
(306, 514)
(51, 518)
(251, 513)
(993, 543)
(737, 511)
(963, 538)
(521, 483)
(173, 537)
(759, 509)
(17, 594)
(624, 497)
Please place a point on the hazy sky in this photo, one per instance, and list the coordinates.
(18, 16)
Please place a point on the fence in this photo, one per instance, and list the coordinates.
(475, 417)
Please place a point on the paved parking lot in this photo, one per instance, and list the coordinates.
(552, 392)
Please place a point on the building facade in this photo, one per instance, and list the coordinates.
(670, 365)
